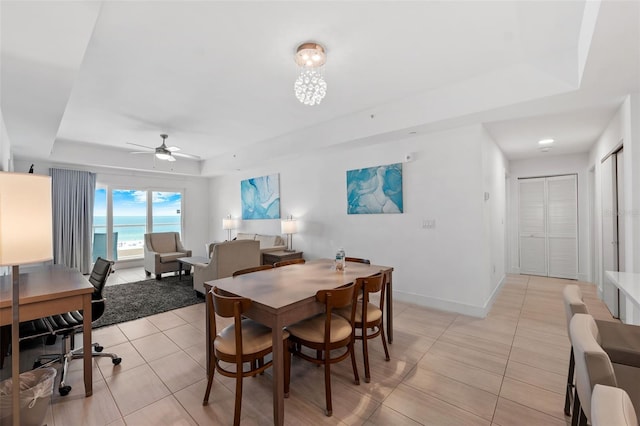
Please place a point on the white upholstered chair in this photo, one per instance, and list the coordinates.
(161, 251)
(226, 258)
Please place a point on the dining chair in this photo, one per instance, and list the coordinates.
(594, 367)
(252, 269)
(244, 341)
(288, 262)
(357, 259)
(368, 316)
(611, 406)
(620, 341)
(326, 332)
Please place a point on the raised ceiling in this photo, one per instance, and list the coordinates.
(81, 79)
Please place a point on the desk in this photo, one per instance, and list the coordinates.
(285, 295)
(629, 284)
(48, 291)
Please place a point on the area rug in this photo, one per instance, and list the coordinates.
(126, 302)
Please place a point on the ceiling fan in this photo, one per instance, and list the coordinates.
(164, 152)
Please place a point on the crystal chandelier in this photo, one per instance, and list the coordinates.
(310, 87)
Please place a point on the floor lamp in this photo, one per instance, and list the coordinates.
(25, 237)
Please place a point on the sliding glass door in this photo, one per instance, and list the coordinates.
(123, 216)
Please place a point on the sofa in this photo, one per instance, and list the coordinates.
(226, 258)
(161, 251)
(267, 242)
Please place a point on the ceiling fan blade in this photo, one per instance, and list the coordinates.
(171, 158)
(173, 148)
(141, 152)
(182, 154)
(137, 144)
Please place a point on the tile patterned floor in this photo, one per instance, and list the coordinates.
(445, 369)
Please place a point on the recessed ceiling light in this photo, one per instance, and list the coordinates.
(545, 141)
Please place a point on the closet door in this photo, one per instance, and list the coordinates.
(532, 233)
(562, 226)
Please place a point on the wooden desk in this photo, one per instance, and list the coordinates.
(48, 291)
(285, 295)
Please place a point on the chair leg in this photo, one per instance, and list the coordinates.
(365, 353)
(353, 364)
(287, 368)
(384, 342)
(569, 393)
(327, 385)
(576, 410)
(238, 406)
(582, 420)
(212, 368)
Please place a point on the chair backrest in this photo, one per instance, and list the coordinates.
(252, 269)
(357, 259)
(227, 307)
(368, 285)
(593, 365)
(573, 304)
(288, 262)
(231, 256)
(338, 298)
(612, 406)
(163, 242)
(98, 278)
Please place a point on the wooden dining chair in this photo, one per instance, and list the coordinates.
(326, 332)
(243, 342)
(368, 316)
(252, 269)
(288, 262)
(357, 259)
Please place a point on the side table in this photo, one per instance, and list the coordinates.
(271, 257)
(182, 261)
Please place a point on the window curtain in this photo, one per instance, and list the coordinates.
(72, 197)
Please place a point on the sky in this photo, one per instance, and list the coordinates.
(134, 203)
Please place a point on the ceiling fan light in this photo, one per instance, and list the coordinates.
(164, 156)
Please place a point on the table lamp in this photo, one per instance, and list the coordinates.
(228, 223)
(26, 236)
(289, 226)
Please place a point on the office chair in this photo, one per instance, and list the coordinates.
(70, 323)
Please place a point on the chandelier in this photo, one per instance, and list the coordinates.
(310, 87)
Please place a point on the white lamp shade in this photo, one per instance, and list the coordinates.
(26, 229)
(228, 223)
(289, 226)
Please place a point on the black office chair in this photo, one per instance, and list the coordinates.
(68, 324)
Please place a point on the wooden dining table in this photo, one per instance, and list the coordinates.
(285, 295)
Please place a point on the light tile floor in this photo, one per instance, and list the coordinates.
(445, 369)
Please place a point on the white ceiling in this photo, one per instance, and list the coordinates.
(81, 79)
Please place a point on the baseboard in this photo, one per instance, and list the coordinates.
(583, 277)
(450, 305)
(515, 270)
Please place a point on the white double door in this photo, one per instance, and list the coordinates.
(548, 234)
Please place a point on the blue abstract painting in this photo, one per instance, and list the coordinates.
(375, 190)
(261, 197)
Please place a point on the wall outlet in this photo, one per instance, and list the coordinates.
(428, 223)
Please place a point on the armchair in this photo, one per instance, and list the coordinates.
(226, 258)
(161, 251)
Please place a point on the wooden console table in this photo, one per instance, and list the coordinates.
(271, 257)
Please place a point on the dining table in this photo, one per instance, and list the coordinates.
(285, 295)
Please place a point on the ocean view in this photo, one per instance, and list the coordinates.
(131, 229)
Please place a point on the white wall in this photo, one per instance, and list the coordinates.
(623, 128)
(5, 147)
(549, 166)
(195, 202)
(448, 267)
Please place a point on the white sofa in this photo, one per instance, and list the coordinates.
(226, 258)
(267, 242)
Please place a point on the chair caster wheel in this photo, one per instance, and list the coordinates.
(37, 364)
(99, 348)
(64, 390)
(116, 361)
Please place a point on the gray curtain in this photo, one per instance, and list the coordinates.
(73, 195)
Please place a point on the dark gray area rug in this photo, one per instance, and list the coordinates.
(126, 302)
